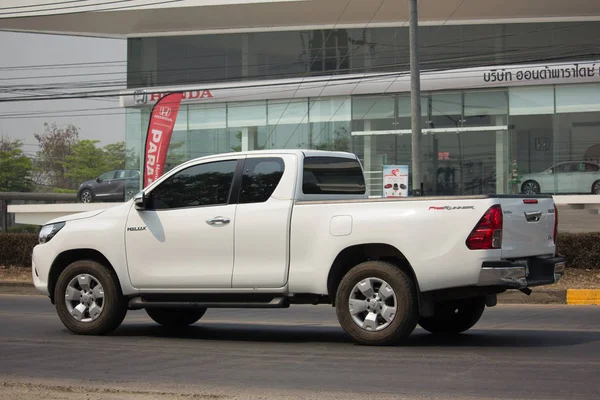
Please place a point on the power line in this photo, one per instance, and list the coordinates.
(470, 60)
(449, 44)
(308, 111)
(90, 64)
(339, 81)
(83, 6)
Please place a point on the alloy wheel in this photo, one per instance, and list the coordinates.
(373, 304)
(84, 298)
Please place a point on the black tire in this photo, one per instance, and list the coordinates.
(406, 316)
(129, 193)
(175, 317)
(530, 187)
(453, 317)
(114, 304)
(86, 196)
(596, 187)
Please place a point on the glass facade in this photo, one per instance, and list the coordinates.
(173, 60)
(502, 140)
(540, 138)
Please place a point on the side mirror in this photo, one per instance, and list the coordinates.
(98, 180)
(140, 201)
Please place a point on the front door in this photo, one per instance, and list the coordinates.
(104, 184)
(185, 237)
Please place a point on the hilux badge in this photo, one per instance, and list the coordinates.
(136, 228)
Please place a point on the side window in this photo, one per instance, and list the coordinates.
(131, 174)
(572, 167)
(107, 176)
(562, 168)
(260, 179)
(120, 175)
(332, 175)
(589, 167)
(201, 185)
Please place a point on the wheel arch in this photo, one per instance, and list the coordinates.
(354, 255)
(64, 259)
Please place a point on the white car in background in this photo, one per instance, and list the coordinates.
(565, 177)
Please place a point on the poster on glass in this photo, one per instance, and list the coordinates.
(395, 181)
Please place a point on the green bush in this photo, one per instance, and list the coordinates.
(60, 190)
(24, 229)
(16, 248)
(581, 250)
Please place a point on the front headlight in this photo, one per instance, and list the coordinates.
(49, 231)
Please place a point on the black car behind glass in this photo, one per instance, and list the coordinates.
(118, 185)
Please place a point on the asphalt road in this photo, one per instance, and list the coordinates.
(522, 351)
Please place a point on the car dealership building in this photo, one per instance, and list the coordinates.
(510, 89)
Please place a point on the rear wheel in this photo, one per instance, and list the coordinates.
(530, 187)
(175, 317)
(376, 303)
(88, 298)
(454, 316)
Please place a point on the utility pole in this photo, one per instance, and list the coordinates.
(415, 97)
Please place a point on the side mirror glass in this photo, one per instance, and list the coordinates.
(140, 201)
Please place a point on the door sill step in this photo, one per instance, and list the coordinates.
(138, 303)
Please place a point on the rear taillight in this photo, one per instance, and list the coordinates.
(487, 234)
(555, 223)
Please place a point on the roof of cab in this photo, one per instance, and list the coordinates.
(298, 152)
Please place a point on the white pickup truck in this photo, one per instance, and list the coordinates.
(268, 229)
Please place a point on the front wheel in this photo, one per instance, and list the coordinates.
(376, 303)
(453, 317)
(86, 196)
(596, 187)
(175, 317)
(88, 298)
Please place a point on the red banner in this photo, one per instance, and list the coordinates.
(158, 137)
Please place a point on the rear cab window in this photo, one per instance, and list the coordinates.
(328, 175)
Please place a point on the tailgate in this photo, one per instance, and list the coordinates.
(528, 228)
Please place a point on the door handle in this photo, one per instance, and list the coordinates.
(218, 221)
(533, 216)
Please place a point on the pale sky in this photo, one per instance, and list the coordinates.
(27, 50)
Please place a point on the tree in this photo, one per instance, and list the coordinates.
(56, 143)
(238, 136)
(115, 155)
(340, 142)
(16, 167)
(175, 155)
(85, 162)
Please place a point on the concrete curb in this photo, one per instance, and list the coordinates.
(20, 288)
(564, 296)
(549, 296)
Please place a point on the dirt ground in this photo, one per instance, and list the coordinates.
(573, 279)
(47, 389)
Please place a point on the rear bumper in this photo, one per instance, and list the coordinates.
(519, 274)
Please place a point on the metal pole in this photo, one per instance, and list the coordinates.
(415, 97)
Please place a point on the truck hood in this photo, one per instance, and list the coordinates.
(76, 216)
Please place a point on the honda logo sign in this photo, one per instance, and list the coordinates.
(164, 111)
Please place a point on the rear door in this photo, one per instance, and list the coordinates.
(528, 227)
